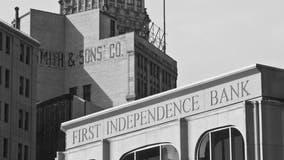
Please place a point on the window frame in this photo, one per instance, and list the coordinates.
(144, 148)
(209, 133)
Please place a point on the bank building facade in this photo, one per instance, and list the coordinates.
(236, 116)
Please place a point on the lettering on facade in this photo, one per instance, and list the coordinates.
(95, 54)
(172, 109)
(85, 56)
(51, 58)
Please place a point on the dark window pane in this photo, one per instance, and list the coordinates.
(112, 28)
(8, 44)
(169, 153)
(21, 118)
(26, 152)
(0, 75)
(204, 149)
(149, 154)
(1, 41)
(73, 91)
(220, 145)
(87, 92)
(6, 112)
(27, 121)
(7, 78)
(5, 148)
(28, 57)
(22, 52)
(27, 89)
(128, 157)
(19, 151)
(237, 145)
(21, 86)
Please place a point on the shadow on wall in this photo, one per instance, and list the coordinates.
(77, 74)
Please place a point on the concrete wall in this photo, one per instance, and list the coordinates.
(273, 129)
(48, 28)
(107, 74)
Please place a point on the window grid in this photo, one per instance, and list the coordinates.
(217, 133)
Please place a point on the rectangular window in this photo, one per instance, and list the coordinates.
(27, 89)
(139, 3)
(27, 121)
(28, 55)
(73, 91)
(20, 151)
(8, 44)
(22, 52)
(0, 75)
(1, 41)
(87, 92)
(21, 86)
(6, 113)
(112, 28)
(7, 78)
(5, 148)
(21, 116)
(26, 152)
(0, 110)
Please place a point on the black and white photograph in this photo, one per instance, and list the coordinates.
(141, 80)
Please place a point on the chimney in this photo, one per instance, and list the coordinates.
(17, 19)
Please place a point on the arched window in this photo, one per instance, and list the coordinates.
(155, 152)
(221, 144)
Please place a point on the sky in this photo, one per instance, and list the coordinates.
(206, 38)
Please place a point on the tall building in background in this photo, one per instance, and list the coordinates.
(105, 52)
(17, 94)
(130, 15)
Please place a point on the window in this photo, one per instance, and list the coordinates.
(95, 4)
(1, 41)
(112, 28)
(7, 78)
(27, 121)
(28, 55)
(21, 117)
(26, 152)
(22, 52)
(20, 151)
(21, 86)
(139, 3)
(0, 110)
(8, 44)
(0, 75)
(5, 148)
(221, 145)
(87, 92)
(27, 88)
(6, 113)
(73, 91)
(157, 152)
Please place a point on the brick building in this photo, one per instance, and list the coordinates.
(17, 94)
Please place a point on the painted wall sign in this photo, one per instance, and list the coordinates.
(51, 58)
(89, 55)
(95, 54)
(172, 109)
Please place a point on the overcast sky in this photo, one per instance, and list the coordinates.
(206, 37)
